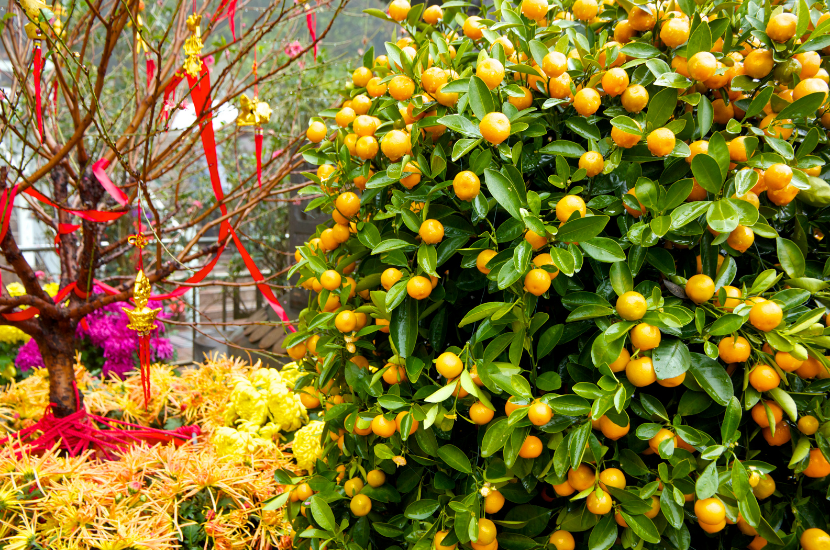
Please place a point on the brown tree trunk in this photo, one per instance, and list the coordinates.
(57, 347)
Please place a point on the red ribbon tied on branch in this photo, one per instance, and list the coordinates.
(38, 69)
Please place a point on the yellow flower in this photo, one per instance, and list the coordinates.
(307, 448)
(290, 373)
(16, 289)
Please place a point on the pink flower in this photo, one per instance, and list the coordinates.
(293, 49)
(277, 153)
(209, 61)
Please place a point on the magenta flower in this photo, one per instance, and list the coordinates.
(108, 331)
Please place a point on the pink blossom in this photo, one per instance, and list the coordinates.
(277, 153)
(209, 60)
(293, 49)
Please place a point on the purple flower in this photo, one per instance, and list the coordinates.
(106, 328)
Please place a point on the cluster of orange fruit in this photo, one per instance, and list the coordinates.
(472, 173)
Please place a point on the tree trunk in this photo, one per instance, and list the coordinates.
(57, 347)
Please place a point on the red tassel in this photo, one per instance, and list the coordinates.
(151, 70)
(258, 143)
(38, 66)
(311, 23)
(144, 360)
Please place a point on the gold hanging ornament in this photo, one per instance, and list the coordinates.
(193, 46)
(253, 112)
(142, 318)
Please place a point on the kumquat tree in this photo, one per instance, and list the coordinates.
(575, 286)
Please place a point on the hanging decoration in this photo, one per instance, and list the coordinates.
(33, 32)
(142, 318)
(253, 112)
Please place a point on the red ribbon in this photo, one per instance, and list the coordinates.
(168, 91)
(114, 192)
(311, 23)
(65, 229)
(151, 70)
(197, 278)
(38, 66)
(89, 215)
(230, 14)
(200, 92)
(258, 143)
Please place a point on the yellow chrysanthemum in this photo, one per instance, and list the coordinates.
(307, 448)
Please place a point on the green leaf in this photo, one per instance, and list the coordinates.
(705, 115)
(672, 511)
(576, 443)
(621, 279)
(389, 245)
(604, 534)
(731, 420)
(505, 192)
(460, 124)
(422, 509)
(722, 215)
(707, 173)
(707, 483)
(508, 274)
(805, 107)
(642, 526)
(740, 480)
(322, 514)
(627, 125)
(759, 102)
(700, 40)
(660, 108)
(712, 377)
(403, 328)
(671, 358)
(442, 394)
(727, 324)
(481, 98)
(480, 312)
(462, 147)
(685, 213)
(786, 401)
(640, 50)
(790, 256)
(603, 249)
(496, 436)
(455, 458)
(563, 147)
(428, 259)
(548, 340)
(582, 229)
(581, 127)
